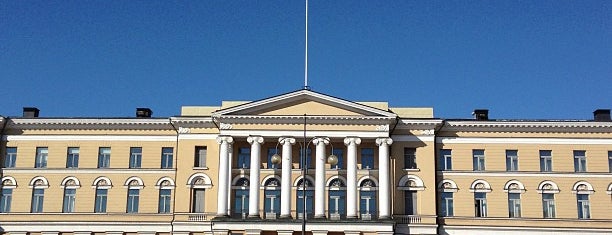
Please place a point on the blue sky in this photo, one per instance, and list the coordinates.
(520, 59)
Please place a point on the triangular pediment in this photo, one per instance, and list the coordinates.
(302, 102)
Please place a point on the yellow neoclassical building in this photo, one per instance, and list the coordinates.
(304, 161)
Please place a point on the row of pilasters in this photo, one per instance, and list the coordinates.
(225, 143)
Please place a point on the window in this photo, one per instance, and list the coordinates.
(69, 200)
(579, 161)
(410, 202)
(410, 158)
(200, 156)
(548, 205)
(5, 200)
(514, 205)
(271, 152)
(132, 200)
(41, 157)
(244, 158)
(11, 157)
(610, 161)
(511, 160)
(480, 204)
(38, 197)
(447, 204)
(337, 203)
(445, 162)
(367, 158)
(584, 207)
(104, 154)
(72, 159)
(340, 154)
(367, 204)
(478, 158)
(166, 157)
(241, 202)
(309, 204)
(101, 200)
(272, 199)
(164, 201)
(135, 157)
(306, 160)
(197, 200)
(545, 160)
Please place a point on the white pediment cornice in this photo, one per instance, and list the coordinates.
(340, 120)
(243, 111)
(90, 123)
(529, 126)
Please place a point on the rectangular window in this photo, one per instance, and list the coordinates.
(548, 205)
(480, 204)
(584, 206)
(367, 204)
(11, 157)
(447, 204)
(410, 202)
(410, 158)
(579, 161)
(478, 158)
(164, 201)
(514, 205)
(244, 158)
(166, 157)
(41, 157)
(200, 156)
(135, 157)
(610, 161)
(307, 159)
(132, 200)
(72, 158)
(197, 200)
(367, 158)
(241, 203)
(69, 200)
(101, 200)
(511, 160)
(38, 197)
(104, 155)
(271, 152)
(5, 200)
(446, 161)
(340, 155)
(545, 160)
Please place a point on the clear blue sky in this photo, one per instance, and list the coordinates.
(520, 59)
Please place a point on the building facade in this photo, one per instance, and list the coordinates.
(304, 161)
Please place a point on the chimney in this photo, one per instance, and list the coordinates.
(481, 114)
(30, 112)
(143, 112)
(601, 115)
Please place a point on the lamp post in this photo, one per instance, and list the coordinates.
(331, 159)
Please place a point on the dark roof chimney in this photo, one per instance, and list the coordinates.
(30, 112)
(143, 112)
(601, 115)
(481, 114)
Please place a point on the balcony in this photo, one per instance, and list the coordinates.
(407, 219)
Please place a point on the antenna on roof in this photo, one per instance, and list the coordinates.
(306, 87)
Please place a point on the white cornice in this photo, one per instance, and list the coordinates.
(299, 119)
(90, 123)
(90, 138)
(522, 174)
(528, 126)
(509, 140)
(418, 123)
(309, 134)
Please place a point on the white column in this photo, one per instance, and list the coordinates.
(286, 177)
(229, 178)
(320, 177)
(351, 176)
(255, 142)
(384, 193)
(224, 142)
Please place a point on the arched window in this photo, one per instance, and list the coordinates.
(447, 189)
(304, 194)
(514, 188)
(70, 185)
(337, 198)
(583, 190)
(102, 185)
(272, 197)
(165, 186)
(133, 184)
(410, 185)
(6, 193)
(198, 183)
(241, 197)
(480, 188)
(38, 185)
(367, 198)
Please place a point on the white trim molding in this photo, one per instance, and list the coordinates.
(486, 187)
(548, 186)
(509, 140)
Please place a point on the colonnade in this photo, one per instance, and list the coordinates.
(225, 143)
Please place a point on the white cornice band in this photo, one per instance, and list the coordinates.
(89, 138)
(309, 134)
(506, 140)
